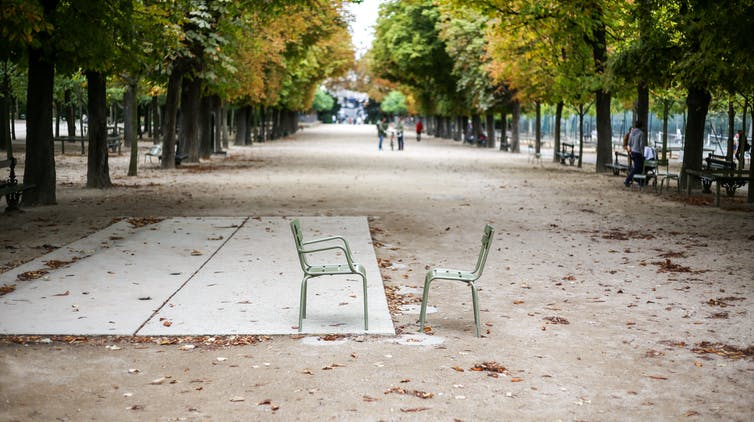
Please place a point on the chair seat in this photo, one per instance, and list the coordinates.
(331, 269)
(448, 274)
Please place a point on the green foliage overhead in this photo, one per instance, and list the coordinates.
(323, 100)
(394, 103)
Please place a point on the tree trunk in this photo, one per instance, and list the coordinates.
(223, 125)
(241, 128)
(697, 102)
(190, 104)
(219, 123)
(130, 125)
(504, 132)
(602, 100)
(6, 123)
(731, 128)
(98, 172)
(750, 197)
(665, 112)
(39, 168)
(556, 135)
(70, 116)
(156, 124)
(581, 132)
(490, 130)
(515, 118)
(538, 128)
(476, 127)
(169, 121)
(205, 127)
(604, 132)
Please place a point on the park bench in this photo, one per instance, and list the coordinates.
(715, 162)
(73, 139)
(567, 153)
(332, 243)
(618, 164)
(719, 170)
(468, 277)
(10, 188)
(647, 175)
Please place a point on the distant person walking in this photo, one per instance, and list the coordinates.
(419, 130)
(381, 131)
(637, 140)
(399, 133)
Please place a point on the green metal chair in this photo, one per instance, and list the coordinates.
(468, 277)
(318, 270)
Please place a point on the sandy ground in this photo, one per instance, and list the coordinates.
(598, 303)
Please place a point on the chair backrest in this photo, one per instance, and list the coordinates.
(298, 237)
(486, 243)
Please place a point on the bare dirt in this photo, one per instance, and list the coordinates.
(597, 303)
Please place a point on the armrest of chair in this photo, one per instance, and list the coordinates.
(329, 239)
(346, 250)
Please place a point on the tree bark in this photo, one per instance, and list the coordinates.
(538, 128)
(170, 117)
(70, 116)
(504, 131)
(241, 128)
(731, 128)
(205, 127)
(697, 102)
(490, 130)
(190, 105)
(515, 135)
(98, 172)
(556, 135)
(130, 125)
(5, 121)
(39, 168)
(602, 97)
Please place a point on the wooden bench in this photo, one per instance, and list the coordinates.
(10, 188)
(64, 139)
(567, 153)
(718, 162)
(727, 180)
(647, 175)
(618, 164)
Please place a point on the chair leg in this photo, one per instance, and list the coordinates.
(475, 301)
(366, 307)
(425, 295)
(302, 304)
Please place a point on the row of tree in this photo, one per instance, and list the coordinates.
(265, 59)
(458, 58)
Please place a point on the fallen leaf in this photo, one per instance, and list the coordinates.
(195, 253)
(516, 379)
(458, 368)
(67, 292)
(7, 288)
(167, 323)
(415, 409)
(518, 302)
(237, 399)
(369, 399)
(158, 381)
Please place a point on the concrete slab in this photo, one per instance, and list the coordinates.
(192, 276)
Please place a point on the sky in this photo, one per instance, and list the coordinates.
(362, 29)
